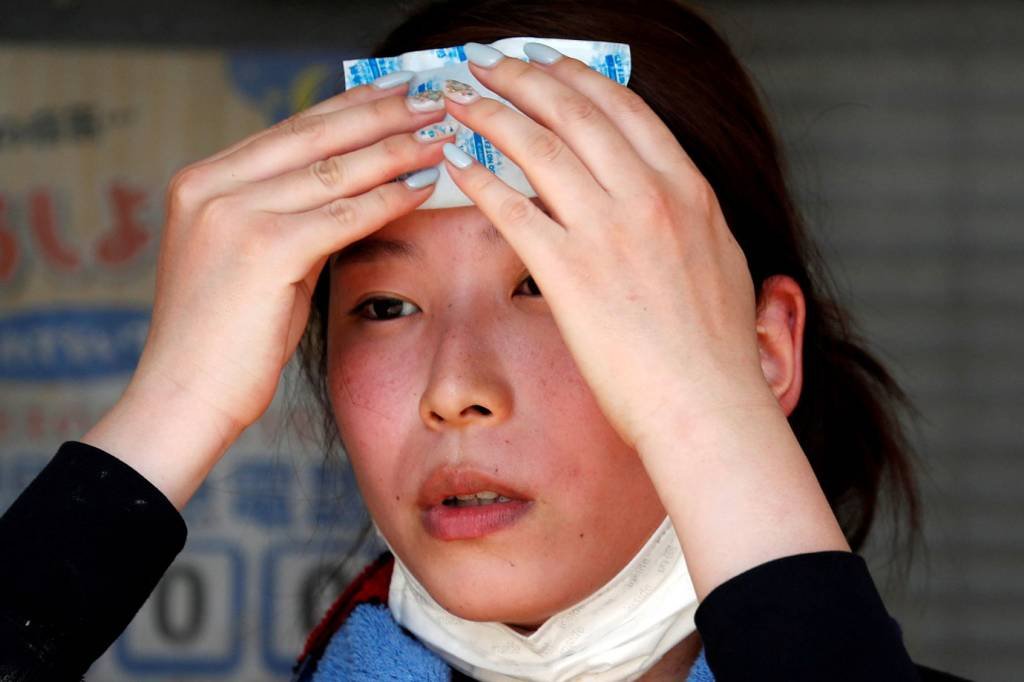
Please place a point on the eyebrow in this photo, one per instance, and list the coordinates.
(371, 249)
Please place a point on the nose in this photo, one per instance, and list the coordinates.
(467, 384)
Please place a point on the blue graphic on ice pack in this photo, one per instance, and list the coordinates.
(366, 70)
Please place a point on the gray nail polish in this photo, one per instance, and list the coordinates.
(456, 156)
(422, 178)
(539, 52)
(482, 55)
(390, 80)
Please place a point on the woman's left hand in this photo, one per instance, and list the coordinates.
(653, 297)
(646, 283)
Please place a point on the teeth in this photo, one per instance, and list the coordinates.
(476, 499)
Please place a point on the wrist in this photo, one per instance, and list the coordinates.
(701, 413)
(165, 435)
(738, 487)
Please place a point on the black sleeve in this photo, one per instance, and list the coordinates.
(813, 616)
(82, 547)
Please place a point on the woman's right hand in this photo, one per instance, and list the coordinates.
(247, 233)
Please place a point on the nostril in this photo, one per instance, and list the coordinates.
(478, 408)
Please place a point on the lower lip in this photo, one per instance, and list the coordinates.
(465, 523)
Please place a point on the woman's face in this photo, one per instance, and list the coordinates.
(456, 381)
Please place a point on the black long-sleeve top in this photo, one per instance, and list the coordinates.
(88, 540)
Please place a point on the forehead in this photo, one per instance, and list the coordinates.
(410, 236)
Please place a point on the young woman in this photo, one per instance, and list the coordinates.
(620, 431)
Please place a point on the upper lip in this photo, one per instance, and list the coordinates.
(451, 480)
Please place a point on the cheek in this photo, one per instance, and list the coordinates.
(368, 383)
(373, 396)
(583, 456)
(598, 480)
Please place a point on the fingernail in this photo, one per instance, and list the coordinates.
(422, 178)
(436, 131)
(426, 100)
(458, 158)
(390, 80)
(539, 52)
(482, 55)
(460, 92)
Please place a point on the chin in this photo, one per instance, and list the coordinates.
(509, 609)
(498, 591)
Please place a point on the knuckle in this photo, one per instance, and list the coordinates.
(574, 66)
(379, 109)
(483, 183)
(343, 212)
(576, 109)
(217, 212)
(544, 145)
(330, 172)
(659, 203)
(488, 108)
(516, 210)
(307, 126)
(185, 187)
(381, 202)
(626, 102)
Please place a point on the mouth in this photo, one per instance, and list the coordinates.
(480, 499)
(464, 504)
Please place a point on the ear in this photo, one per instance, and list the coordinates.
(781, 314)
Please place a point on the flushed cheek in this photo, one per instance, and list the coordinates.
(370, 385)
(374, 397)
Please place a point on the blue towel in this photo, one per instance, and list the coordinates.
(372, 646)
(699, 671)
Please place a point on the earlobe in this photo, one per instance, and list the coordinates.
(780, 326)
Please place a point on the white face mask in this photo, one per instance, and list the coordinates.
(617, 633)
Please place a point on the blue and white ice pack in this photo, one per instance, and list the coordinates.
(434, 67)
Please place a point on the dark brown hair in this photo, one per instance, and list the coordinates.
(848, 418)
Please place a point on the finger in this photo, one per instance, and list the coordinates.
(570, 114)
(348, 174)
(560, 178)
(348, 98)
(534, 236)
(318, 136)
(309, 236)
(388, 85)
(644, 129)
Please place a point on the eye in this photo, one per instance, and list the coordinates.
(531, 284)
(382, 308)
